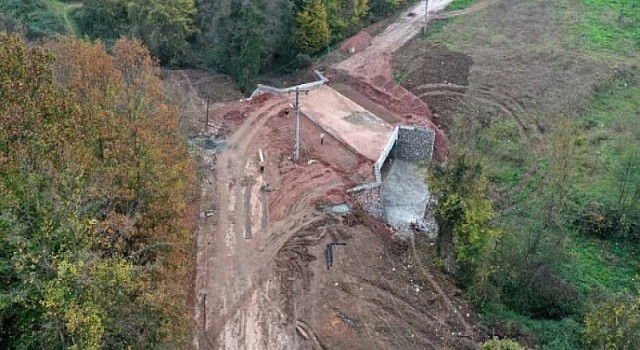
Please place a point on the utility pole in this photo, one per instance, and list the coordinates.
(296, 155)
(426, 16)
(206, 125)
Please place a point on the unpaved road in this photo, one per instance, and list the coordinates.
(237, 283)
(243, 301)
(375, 59)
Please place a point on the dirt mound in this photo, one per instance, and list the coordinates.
(357, 42)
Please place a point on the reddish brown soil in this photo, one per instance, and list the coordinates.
(439, 75)
(357, 42)
(260, 253)
(395, 98)
(375, 296)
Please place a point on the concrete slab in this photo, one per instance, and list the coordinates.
(404, 194)
(346, 121)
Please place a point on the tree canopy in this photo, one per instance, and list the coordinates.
(94, 200)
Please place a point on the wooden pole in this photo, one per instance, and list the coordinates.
(206, 125)
(296, 155)
(426, 16)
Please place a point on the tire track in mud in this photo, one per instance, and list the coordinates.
(508, 105)
(230, 169)
(473, 8)
(439, 291)
(266, 247)
(528, 126)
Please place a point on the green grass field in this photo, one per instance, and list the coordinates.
(573, 62)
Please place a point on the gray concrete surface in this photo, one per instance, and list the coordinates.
(404, 194)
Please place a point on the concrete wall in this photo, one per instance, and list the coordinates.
(377, 167)
(414, 144)
(261, 89)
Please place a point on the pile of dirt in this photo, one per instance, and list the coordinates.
(435, 64)
(356, 43)
(438, 75)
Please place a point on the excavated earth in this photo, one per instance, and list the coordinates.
(262, 281)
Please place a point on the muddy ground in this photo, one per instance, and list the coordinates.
(375, 296)
(262, 280)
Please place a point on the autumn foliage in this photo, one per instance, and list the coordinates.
(95, 186)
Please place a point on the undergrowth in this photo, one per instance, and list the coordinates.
(459, 4)
(609, 25)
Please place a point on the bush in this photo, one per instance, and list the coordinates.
(501, 344)
(615, 324)
(35, 15)
(608, 223)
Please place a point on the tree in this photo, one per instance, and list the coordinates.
(615, 324)
(94, 200)
(241, 54)
(104, 20)
(385, 7)
(463, 212)
(344, 17)
(163, 25)
(312, 33)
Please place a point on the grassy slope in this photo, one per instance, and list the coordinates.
(587, 39)
(62, 10)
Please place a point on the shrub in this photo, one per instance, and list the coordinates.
(615, 324)
(501, 344)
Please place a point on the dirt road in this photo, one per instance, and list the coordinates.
(375, 59)
(260, 230)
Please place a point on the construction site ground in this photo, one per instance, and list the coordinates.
(262, 281)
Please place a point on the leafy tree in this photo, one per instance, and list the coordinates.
(36, 16)
(94, 188)
(242, 53)
(615, 324)
(103, 19)
(464, 212)
(385, 7)
(163, 25)
(344, 17)
(313, 29)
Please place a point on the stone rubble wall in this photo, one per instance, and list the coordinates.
(414, 144)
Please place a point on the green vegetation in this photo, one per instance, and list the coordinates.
(240, 38)
(35, 16)
(459, 4)
(95, 186)
(164, 27)
(313, 27)
(500, 344)
(615, 324)
(564, 178)
(610, 25)
(463, 213)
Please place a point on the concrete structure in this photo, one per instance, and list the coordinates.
(261, 88)
(404, 193)
(346, 121)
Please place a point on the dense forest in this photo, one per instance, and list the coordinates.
(240, 38)
(95, 192)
